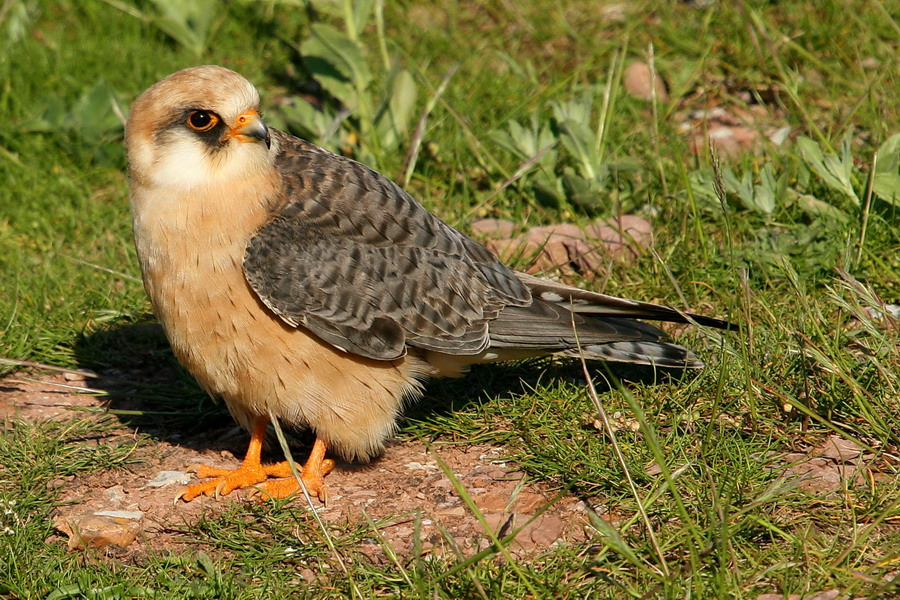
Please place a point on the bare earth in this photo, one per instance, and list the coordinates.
(133, 509)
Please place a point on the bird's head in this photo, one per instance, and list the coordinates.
(199, 126)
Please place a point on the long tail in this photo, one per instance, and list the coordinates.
(605, 326)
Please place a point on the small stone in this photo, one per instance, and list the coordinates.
(545, 530)
(99, 530)
(610, 237)
(729, 140)
(496, 521)
(307, 574)
(529, 502)
(778, 135)
(544, 233)
(635, 228)
(622, 236)
(554, 255)
(826, 595)
(514, 250)
(563, 246)
(495, 501)
(130, 515)
(167, 478)
(615, 13)
(365, 494)
(638, 82)
(417, 466)
(454, 511)
(870, 63)
(840, 450)
(442, 484)
(115, 493)
(494, 228)
(653, 470)
(822, 476)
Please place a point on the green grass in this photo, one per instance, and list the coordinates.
(809, 361)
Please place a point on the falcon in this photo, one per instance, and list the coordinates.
(299, 285)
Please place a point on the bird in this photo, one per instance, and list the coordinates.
(301, 286)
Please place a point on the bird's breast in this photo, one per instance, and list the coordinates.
(192, 262)
(191, 247)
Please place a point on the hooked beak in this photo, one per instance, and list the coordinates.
(249, 127)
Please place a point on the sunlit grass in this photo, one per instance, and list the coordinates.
(806, 278)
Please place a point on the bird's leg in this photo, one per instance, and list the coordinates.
(251, 471)
(313, 475)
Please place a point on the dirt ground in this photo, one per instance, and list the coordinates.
(133, 509)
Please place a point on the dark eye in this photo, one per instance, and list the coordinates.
(201, 120)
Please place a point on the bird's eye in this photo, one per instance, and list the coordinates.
(201, 120)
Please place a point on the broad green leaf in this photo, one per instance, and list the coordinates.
(760, 197)
(362, 10)
(403, 101)
(91, 116)
(311, 123)
(548, 189)
(188, 22)
(742, 188)
(577, 109)
(578, 140)
(584, 192)
(703, 189)
(835, 172)
(328, 45)
(886, 181)
(818, 209)
(394, 117)
(504, 139)
(524, 143)
(766, 192)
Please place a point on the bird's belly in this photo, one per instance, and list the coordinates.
(240, 351)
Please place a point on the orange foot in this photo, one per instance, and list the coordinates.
(313, 476)
(252, 472)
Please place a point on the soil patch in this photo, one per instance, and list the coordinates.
(133, 509)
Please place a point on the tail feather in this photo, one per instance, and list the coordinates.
(594, 303)
(568, 321)
(654, 354)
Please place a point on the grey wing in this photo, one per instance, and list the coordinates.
(361, 264)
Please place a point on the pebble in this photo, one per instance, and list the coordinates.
(167, 478)
(841, 450)
(131, 515)
(496, 228)
(417, 466)
(115, 493)
(638, 82)
(101, 529)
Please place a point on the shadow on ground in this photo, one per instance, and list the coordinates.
(140, 384)
(147, 390)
